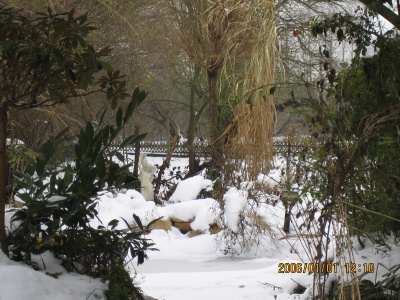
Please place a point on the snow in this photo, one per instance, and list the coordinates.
(271, 180)
(14, 142)
(191, 268)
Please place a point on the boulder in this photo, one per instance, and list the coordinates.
(214, 228)
(184, 227)
(164, 224)
(176, 220)
(194, 233)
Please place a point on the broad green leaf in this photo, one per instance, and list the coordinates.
(141, 256)
(133, 139)
(89, 132)
(48, 150)
(113, 223)
(40, 167)
(138, 222)
(119, 117)
(83, 144)
(137, 99)
(114, 103)
(101, 167)
(154, 221)
(22, 184)
(71, 14)
(249, 101)
(272, 89)
(119, 156)
(61, 134)
(58, 56)
(81, 40)
(127, 224)
(26, 197)
(103, 113)
(106, 66)
(78, 152)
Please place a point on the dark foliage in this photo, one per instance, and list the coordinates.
(62, 199)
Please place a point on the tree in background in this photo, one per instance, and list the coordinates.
(133, 30)
(46, 60)
(237, 41)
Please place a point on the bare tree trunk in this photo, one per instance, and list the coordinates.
(3, 177)
(190, 136)
(164, 166)
(194, 120)
(212, 77)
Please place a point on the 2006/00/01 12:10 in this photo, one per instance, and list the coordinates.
(351, 268)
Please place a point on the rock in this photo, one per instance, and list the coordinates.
(18, 204)
(194, 233)
(149, 298)
(176, 220)
(162, 224)
(184, 227)
(214, 228)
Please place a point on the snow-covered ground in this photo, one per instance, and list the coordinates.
(191, 268)
(21, 282)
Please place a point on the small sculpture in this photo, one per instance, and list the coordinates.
(146, 173)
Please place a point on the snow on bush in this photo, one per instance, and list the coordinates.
(190, 188)
(235, 202)
(271, 180)
(124, 205)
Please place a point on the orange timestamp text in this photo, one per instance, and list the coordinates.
(325, 268)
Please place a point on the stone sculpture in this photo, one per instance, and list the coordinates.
(146, 173)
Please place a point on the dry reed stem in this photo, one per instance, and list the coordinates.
(237, 39)
(254, 115)
(349, 283)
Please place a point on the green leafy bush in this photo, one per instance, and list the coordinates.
(60, 202)
(120, 286)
